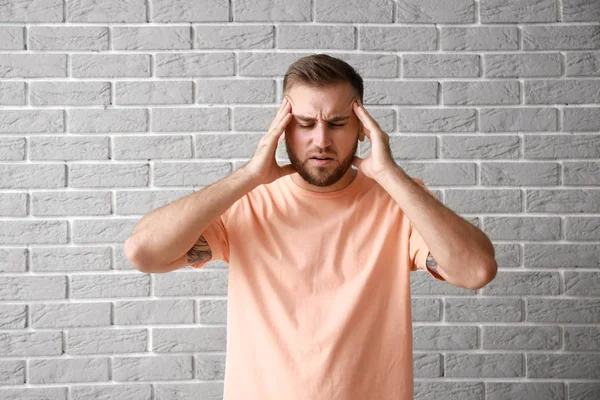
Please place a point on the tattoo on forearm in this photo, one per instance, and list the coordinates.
(199, 252)
(431, 263)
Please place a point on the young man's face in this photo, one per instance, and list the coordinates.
(324, 125)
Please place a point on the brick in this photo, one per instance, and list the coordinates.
(463, 390)
(69, 148)
(94, 341)
(234, 37)
(581, 119)
(581, 173)
(210, 366)
(266, 11)
(12, 149)
(580, 11)
(235, 91)
(102, 230)
(151, 368)
(526, 390)
(144, 93)
(70, 315)
(502, 11)
(12, 372)
(70, 259)
(431, 337)
(372, 65)
(253, 118)
(581, 338)
(70, 93)
(151, 37)
(179, 340)
(579, 311)
(561, 37)
(31, 121)
(486, 147)
(562, 146)
(315, 36)
(13, 204)
(12, 93)
(440, 173)
(488, 38)
(401, 93)
(522, 65)
(16, 65)
(508, 283)
(108, 175)
(406, 147)
(516, 337)
(480, 93)
(69, 370)
(86, 38)
(582, 228)
(33, 232)
(12, 38)
(108, 286)
(190, 11)
(186, 174)
(436, 120)
(190, 119)
(206, 390)
(194, 65)
(508, 255)
(580, 91)
(226, 146)
(520, 173)
(31, 176)
(583, 64)
(484, 200)
(155, 312)
(190, 283)
(61, 203)
(563, 201)
(13, 260)
(112, 391)
(143, 201)
(430, 11)
(151, 147)
(558, 255)
(107, 11)
(518, 119)
(487, 365)
(23, 344)
(353, 11)
(582, 283)
(397, 38)
(32, 11)
(584, 389)
(484, 310)
(443, 65)
(110, 65)
(522, 228)
(212, 312)
(33, 288)
(108, 120)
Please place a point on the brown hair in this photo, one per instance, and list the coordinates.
(321, 70)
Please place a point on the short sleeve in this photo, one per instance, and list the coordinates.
(218, 240)
(418, 249)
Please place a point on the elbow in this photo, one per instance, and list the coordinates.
(134, 255)
(487, 274)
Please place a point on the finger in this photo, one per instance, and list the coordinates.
(287, 170)
(356, 161)
(283, 109)
(277, 131)
(364, 117)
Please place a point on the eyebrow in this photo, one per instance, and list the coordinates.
(337, 118)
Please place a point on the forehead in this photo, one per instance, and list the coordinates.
(326, 100)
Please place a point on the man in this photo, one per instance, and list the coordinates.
(320, 253)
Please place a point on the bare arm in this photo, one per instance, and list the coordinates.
(170, 236)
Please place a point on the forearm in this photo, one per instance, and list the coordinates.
(168, 232)
(462, 250)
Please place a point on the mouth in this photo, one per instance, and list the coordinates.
(321, 160)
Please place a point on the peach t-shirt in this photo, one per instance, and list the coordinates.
(319, 293)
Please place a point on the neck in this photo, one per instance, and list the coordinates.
(344, 181)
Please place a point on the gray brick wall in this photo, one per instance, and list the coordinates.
(109, 109)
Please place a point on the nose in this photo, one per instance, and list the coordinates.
(321, 135)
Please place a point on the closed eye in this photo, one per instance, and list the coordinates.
(310, 126)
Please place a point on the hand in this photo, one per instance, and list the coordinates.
(262, 166)
(380, 160)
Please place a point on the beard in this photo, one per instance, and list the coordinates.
(321, 175)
